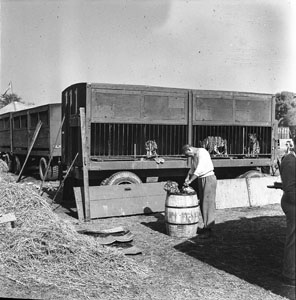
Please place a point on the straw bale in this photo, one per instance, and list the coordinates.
(3, 166)
(46, 251)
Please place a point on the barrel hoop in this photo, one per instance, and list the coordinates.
(181, 194)
(169, 223)
(168, 206)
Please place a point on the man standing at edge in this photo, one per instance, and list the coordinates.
(202, 179)
(288, 203)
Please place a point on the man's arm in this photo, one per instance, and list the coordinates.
(190, 178)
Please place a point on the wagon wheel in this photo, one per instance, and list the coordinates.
(124, 177)
(105, 181)
(53, 172)
(16, 165)
(8, 161)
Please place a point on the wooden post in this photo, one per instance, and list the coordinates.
(34, 138)
(10, 133)
(85, 162)
(190, 118)
(190, 124)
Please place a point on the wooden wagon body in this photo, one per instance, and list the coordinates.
(17, 131)
(120, 119)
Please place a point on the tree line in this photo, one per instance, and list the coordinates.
(9, 98)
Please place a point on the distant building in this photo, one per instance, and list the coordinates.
(14, 106)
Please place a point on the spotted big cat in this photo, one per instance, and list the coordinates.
(215, 145)
(151, 153)
(253, 145)
(151, 148)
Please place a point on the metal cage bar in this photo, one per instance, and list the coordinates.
(115, 139)
(237, 137)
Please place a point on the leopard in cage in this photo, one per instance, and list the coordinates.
(151, 153)
(151, 147)
(253, 145)
(215, 145)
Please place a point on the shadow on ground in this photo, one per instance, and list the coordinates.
(60, 201)
(249, 248)
(158, 225)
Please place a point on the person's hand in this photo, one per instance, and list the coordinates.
(187, 182)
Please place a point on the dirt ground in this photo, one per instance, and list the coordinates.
(242, 261)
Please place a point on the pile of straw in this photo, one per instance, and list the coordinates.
(45, 252)
(3, 166)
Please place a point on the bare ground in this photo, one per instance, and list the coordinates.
(242, 261)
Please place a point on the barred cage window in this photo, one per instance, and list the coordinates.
(113, 139)
(237, 137)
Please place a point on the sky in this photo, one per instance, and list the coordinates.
(232, 45)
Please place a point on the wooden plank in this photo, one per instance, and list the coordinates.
(127, 87)
(97, 229)
(7, 218)
(140, 164)
(122, 200)
(260, 194)
(78, 192)
(11, 132)
(190, 117)
(214, 109)
(252, 111)
(138, 106)
(85, 159)
(228, 191)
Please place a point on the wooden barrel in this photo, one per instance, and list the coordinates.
(181, 215)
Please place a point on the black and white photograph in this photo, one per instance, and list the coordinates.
(147, 149)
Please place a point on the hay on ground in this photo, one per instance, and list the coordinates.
(46, 251)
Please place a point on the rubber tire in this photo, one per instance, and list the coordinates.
(53, 172)
(8, 161)
(105, 181)
(124, 177)
(16, 165)
(252, 174)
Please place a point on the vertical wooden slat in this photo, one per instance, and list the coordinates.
(95, 142)
(85, 161)
(229, 150)
(190, 117)
(261, 136)
(109, 139)
(11, 132)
